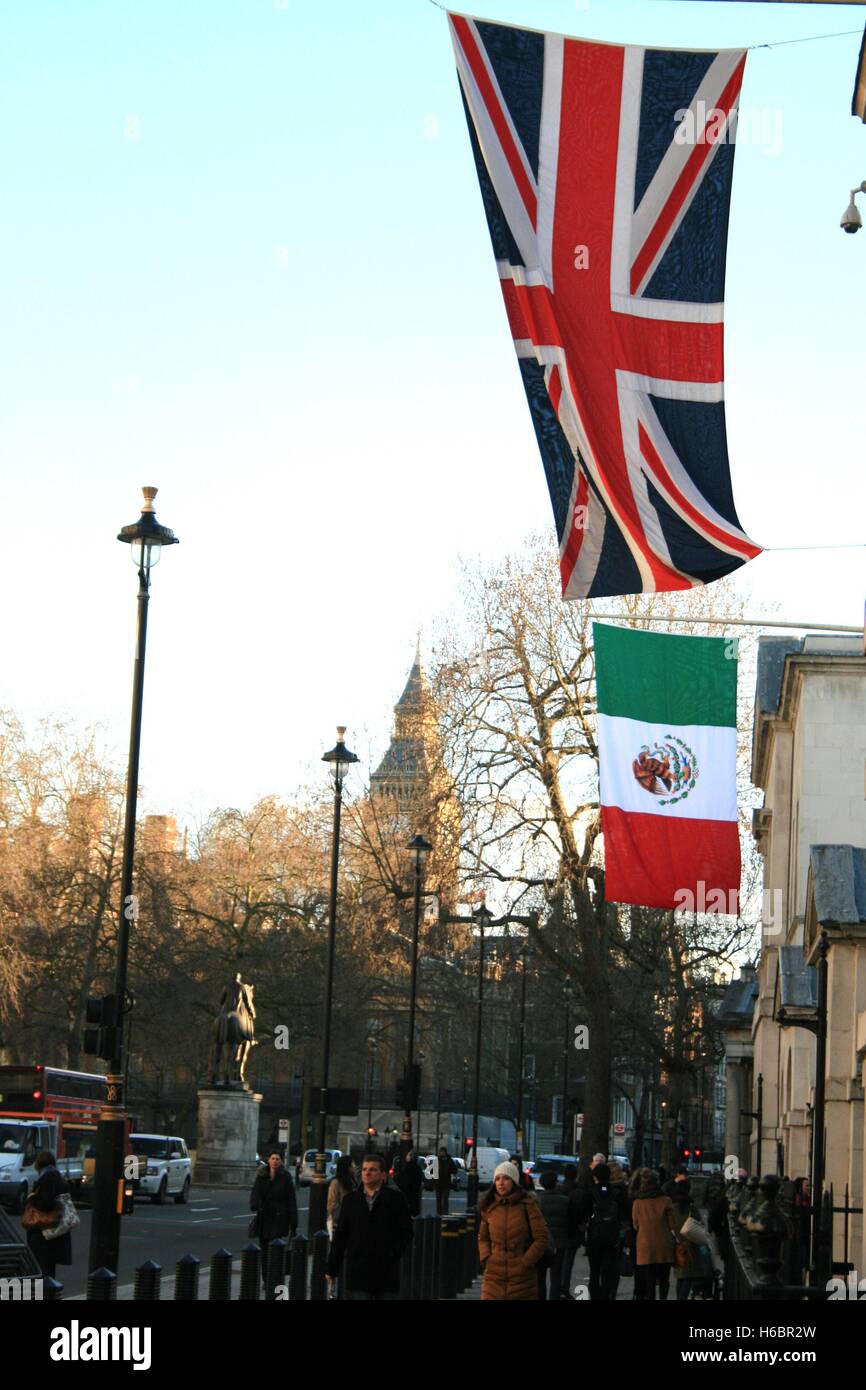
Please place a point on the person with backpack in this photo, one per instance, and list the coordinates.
(554, 1208)
(603, 1215)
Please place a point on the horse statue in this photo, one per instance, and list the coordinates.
(234, 1034)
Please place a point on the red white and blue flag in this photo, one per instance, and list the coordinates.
(606, 178)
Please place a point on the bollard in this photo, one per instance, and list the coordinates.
(417, 1261)
(470, 1269)
(52, 1292)
(186, 1279)
(449, 1255)
(251, 1259)
(428, 1287)
(101, 1286)
(461, 1259)
(406, 1265)
(319, 1258)
(221, 1277)
(276, 1271)
(298, 1270)
(147, 1283)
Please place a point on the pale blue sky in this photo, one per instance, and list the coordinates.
(246, 261)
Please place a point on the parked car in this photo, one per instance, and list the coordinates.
(308, 1165)
(550, 1163)
(164, 1167)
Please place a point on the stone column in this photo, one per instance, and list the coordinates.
(228, 1130)
(733, 1106)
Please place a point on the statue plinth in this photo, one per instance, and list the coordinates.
(228, 1131)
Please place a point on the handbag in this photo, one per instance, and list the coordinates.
(69, 1218)
(693, 1231)
(36, 1220)
(546, 1260)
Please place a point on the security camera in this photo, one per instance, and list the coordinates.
(851, 219)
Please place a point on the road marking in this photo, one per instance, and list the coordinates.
(206, 1221)
(204, 1208)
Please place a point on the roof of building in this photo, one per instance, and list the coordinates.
(838, 883)
(738, 1002)
(771, 667)
(798, 982)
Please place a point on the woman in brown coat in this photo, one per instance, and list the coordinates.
(652, 1216)
(512, 1238)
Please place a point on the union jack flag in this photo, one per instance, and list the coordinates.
(605, 173)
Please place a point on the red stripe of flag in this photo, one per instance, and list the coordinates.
(494, 110)
(702, 522)
(684, 183)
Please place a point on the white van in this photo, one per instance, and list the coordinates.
(488, 1161)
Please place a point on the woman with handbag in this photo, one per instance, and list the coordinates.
(44, 1212)
(275, 1205)
(512, 1239)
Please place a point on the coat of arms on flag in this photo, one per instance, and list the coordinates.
(667, 745)
(609, 231)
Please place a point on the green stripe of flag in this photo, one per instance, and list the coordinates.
(665, 679)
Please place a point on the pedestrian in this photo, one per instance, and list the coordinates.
(652, 1219)
(680, 1193)
(342, 1182)
(410, 1180)
(512, 1238)
(374, 1230)
(49, 1187)
(553, 1203)
(568, 1186)
(273, 1199)
(603, 1215)
(524, 1180)
(445, 1170)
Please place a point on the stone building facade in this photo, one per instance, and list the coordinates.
(809, 757)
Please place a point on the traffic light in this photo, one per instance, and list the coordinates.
(467, 1148)
(687, 1153)
(102, 1037)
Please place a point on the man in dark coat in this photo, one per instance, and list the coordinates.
(445, 1170)
(49, 1187)
(373, 1231)
(410, 1181)
(273, 1197)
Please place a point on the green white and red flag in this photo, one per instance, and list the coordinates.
(667, 741)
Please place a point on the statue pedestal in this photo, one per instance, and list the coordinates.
(228, 1132)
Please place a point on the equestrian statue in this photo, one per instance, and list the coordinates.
(234, 1034)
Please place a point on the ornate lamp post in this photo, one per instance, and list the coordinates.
(463, 1109)
(341, 760)
(421, 848)
(145, 538)
(483, 917)
(519, 1136)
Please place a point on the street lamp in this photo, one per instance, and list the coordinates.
(340, 759)
(145, 538)
(421, 848)
(519, 1137)
(483, 917)
(463, 1108)
(566, 1054)
(371, 1048)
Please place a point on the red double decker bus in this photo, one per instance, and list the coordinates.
(46, 1108)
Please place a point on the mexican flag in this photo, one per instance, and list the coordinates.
(667, 742)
